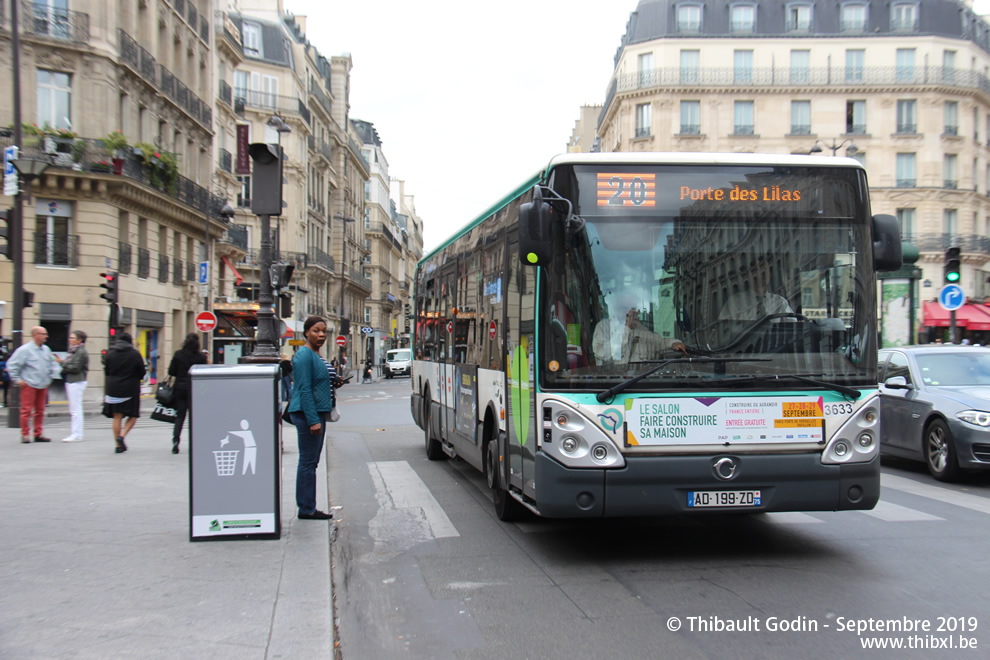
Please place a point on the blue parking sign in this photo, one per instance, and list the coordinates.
(204, 271)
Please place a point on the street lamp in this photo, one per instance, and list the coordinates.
(851, 150)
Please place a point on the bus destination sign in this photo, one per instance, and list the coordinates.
(639, 189)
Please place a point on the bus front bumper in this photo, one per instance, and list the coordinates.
(659, 485)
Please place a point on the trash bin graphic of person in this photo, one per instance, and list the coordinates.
(250, 448)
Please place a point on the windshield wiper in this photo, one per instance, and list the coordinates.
(615, 389)
(850, 393)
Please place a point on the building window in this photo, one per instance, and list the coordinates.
(950, 175)
(54, 99)
(251, 37)
(951, 113)
(798, 18)
(855, 61)
(800, 65)
(244, 191)
(690, 65)
(976, 124)
(907, 116)
(905, 171)
(905, 219)
(367, 315)
(950, 225)
(852, 18)
(904, 65)
(742, 113)
(856, 117)
(689, 18)
(949, 66)
(690, 117)
(644, 63)
(644, 120)
(800, 117)
(904, 17)
(742, 63)
(53, 244)
(743, 19)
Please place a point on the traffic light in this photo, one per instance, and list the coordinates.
(281, 274)
(952, 267)
(285, 305)
(6, 216)
(28, 300)
(110, 282)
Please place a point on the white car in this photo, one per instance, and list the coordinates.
(398, 362)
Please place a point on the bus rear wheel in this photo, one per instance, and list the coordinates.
(507, 509)
(434, 451)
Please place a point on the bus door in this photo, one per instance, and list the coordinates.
(447, 281)
(520, 324)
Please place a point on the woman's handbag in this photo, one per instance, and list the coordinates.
(334, 415)
(166, 393)
(162, 413)
(286, 416)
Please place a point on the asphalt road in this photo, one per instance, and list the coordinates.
(423, 569)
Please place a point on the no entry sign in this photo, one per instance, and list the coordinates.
(206, 321)
(491, 330)
(340, 340)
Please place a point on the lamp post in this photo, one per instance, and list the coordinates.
(226, 214)
(851, 150)
(281, 126)
(28, 170)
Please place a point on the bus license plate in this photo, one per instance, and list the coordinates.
(719, 498)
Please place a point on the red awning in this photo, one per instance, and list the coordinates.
(969, 316)
(233, 270)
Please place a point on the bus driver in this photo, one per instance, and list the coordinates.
(624, 339)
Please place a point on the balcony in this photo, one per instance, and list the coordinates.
(951, 131)
(322, 99)
(798, 25)
(909, 24)
(908, 129)
(968, 243)
(177, 272)
(144, 263)
(40, 19)
(950, 184)
(226, 161)
(225, 93)
(642, 132)
(742, 129)
(852, 24)
(162, 268)
(319, 258)
(265, 101)
(56, 250)
(855, 129)
(123, 258)
(800, 129)
(690, 129)
(907, 183)
(236, 235)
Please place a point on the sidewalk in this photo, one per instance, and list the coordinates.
(96, 562)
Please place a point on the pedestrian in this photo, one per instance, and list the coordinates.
(367, 373)
(124, 370)
(285, 371)
(31, 368)
(4, 375)
(309, 409)
(75, 369)
(183, 360)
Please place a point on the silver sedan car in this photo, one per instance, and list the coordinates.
(935, 406)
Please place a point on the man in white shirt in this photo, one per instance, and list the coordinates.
(624, 339)
(756, 303)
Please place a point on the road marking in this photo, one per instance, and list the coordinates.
(793, 518)
(890, 512)
(965, 500)
(406, 491)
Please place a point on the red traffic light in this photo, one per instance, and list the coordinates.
(113, 332)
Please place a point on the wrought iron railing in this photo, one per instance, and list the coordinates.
(910, 129)
(318, 257)
(800, 129)
(236, 235)
(226, 161)
(144, 263)
(162, 268)
(42, 20)
(321, 98)
(123, 258)
(191, 14)
(56, 249)
(177, 271)
(225, 93)
(690, 129)
(190, 271)
(929, 241)
(642, 131)
(204, 29)
(252, 258)
(742, 129)
(906, 183)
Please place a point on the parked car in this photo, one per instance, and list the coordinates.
(398, 362)
(935, 406)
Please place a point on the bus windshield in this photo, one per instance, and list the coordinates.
(769, 266)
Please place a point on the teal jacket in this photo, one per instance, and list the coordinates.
(312, 392)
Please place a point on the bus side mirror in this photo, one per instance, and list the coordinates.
(534, 230)
(886, 243)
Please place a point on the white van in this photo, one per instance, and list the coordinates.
(398, 362)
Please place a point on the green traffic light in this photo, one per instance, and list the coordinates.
(952, 277)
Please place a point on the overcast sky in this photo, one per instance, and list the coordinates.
(469, 98)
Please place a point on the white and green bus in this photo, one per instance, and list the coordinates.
(635, 334)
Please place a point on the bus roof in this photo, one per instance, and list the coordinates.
(650, 158)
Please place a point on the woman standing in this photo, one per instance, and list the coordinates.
(182, 361)
(75, 369)
(309, 408)
(124, 370)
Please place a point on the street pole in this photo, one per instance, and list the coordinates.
(265, 340)
(16, 238)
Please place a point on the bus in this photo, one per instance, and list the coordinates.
(644, 334)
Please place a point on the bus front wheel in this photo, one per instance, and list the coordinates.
(507, 509)
(434, 451)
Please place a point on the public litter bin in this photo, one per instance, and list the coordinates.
(235, 469)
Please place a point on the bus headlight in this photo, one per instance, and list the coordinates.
(569, 445)
(599, 453)
(841, 449)
(572, 438)
(865, 440)
(856, 441)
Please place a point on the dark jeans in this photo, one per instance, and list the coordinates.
(181, 404)
(310, 448)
